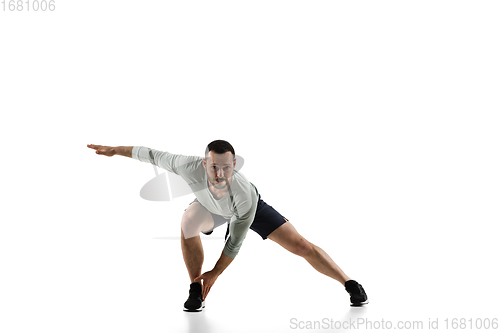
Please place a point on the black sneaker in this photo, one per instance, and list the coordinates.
(194, 303)
(358, 295)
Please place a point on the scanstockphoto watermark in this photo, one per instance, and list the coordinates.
(382, 324)
(353, 324)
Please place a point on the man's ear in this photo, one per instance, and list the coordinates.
(204, 163)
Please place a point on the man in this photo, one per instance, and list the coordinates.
(225, 195)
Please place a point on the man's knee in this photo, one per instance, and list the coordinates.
(190, 227)
(302, 248)
(192, 223)
(187, 218)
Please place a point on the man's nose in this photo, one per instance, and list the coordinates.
(220, 173)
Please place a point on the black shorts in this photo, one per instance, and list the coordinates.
(266, 219)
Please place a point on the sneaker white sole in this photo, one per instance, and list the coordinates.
(196, 310)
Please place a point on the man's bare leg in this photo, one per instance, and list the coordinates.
(322, 262)
(288, 237)
(192, 251)
(194, 220)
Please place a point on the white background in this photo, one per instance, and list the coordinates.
(371, 125)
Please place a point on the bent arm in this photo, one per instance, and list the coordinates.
(222, 263)
(245, 207)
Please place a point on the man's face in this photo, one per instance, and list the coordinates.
(219, 168)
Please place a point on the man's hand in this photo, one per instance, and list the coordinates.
(210, 276)
(208, 280)
(103, 150)
(111, 151)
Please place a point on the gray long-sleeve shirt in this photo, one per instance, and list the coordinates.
(239, 204)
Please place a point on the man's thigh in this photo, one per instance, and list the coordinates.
(196, 219)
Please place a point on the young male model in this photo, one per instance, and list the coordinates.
(224, 195)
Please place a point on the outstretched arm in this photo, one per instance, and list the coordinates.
(111, 151)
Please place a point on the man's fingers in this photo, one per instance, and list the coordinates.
(206, 292)
(94, 146)
(104, 150)
(203, 289)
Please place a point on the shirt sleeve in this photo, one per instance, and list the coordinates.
(245, 207)
(175, 163)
